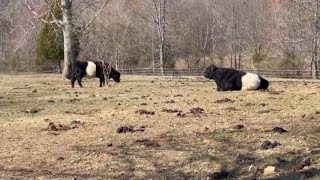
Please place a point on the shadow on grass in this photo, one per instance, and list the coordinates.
(24, 173)
(228, 154)
(127, 160)
(126, 155)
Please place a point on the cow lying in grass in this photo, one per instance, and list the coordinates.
(94, 69)
(228, 79)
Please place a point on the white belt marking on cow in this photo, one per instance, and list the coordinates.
(250, 81)
(91, 70)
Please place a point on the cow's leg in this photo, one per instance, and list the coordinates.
(228, 86)
(102, 81)
(79, 81)
(219, 88)
(225, 86)
(73, 79)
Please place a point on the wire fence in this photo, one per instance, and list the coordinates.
(292, 74)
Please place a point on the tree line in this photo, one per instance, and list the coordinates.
(242, 34)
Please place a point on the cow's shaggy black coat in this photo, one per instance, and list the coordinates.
(100, 72)
(228, 79)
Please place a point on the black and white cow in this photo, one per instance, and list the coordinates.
(228, 79)
(94, 69)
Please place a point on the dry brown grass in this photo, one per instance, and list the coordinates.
(172, 146)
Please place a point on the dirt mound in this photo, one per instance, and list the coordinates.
(76, 124)
(57, 127)
(238, 126)
(197, 110)
(311, 116)
(171, 110)
(143, 111)
(269, 145)
(182, 115)
(225, 100)
(279, 130)
(276, 92)
(170, 102)
(60, 127)
(147, 142)
(302, 163)
(267, 111)
(32, 110)
(178, 95)
(125, 129)
(130, 129)
(222, 174)
(248, 104)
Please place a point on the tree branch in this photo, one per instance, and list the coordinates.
(58, 22)
(145, 18)
(87, 25)
(88, 5)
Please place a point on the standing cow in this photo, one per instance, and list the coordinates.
(228, 79)
(94, 69)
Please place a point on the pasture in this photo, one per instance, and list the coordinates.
(156, 128)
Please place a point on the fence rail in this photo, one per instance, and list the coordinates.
(295, 74)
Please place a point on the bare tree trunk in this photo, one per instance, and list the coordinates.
(161, 22)
(59, 66)
(240, 49)
(152, 54)
(2, 39)
(69, 55)
(162, 34)
(117, 55)
(316, 40)
(240, 56)
(233, 46)
(314, 60)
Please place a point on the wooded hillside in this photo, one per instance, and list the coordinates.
(244, 34)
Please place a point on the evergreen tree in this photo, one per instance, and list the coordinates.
(50, 42)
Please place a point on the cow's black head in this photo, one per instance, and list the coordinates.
(112, 73)
(115, 75)
(209, 71)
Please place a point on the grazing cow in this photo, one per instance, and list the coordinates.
(94, 69)
(228, 79)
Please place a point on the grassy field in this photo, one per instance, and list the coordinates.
(155, 128)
